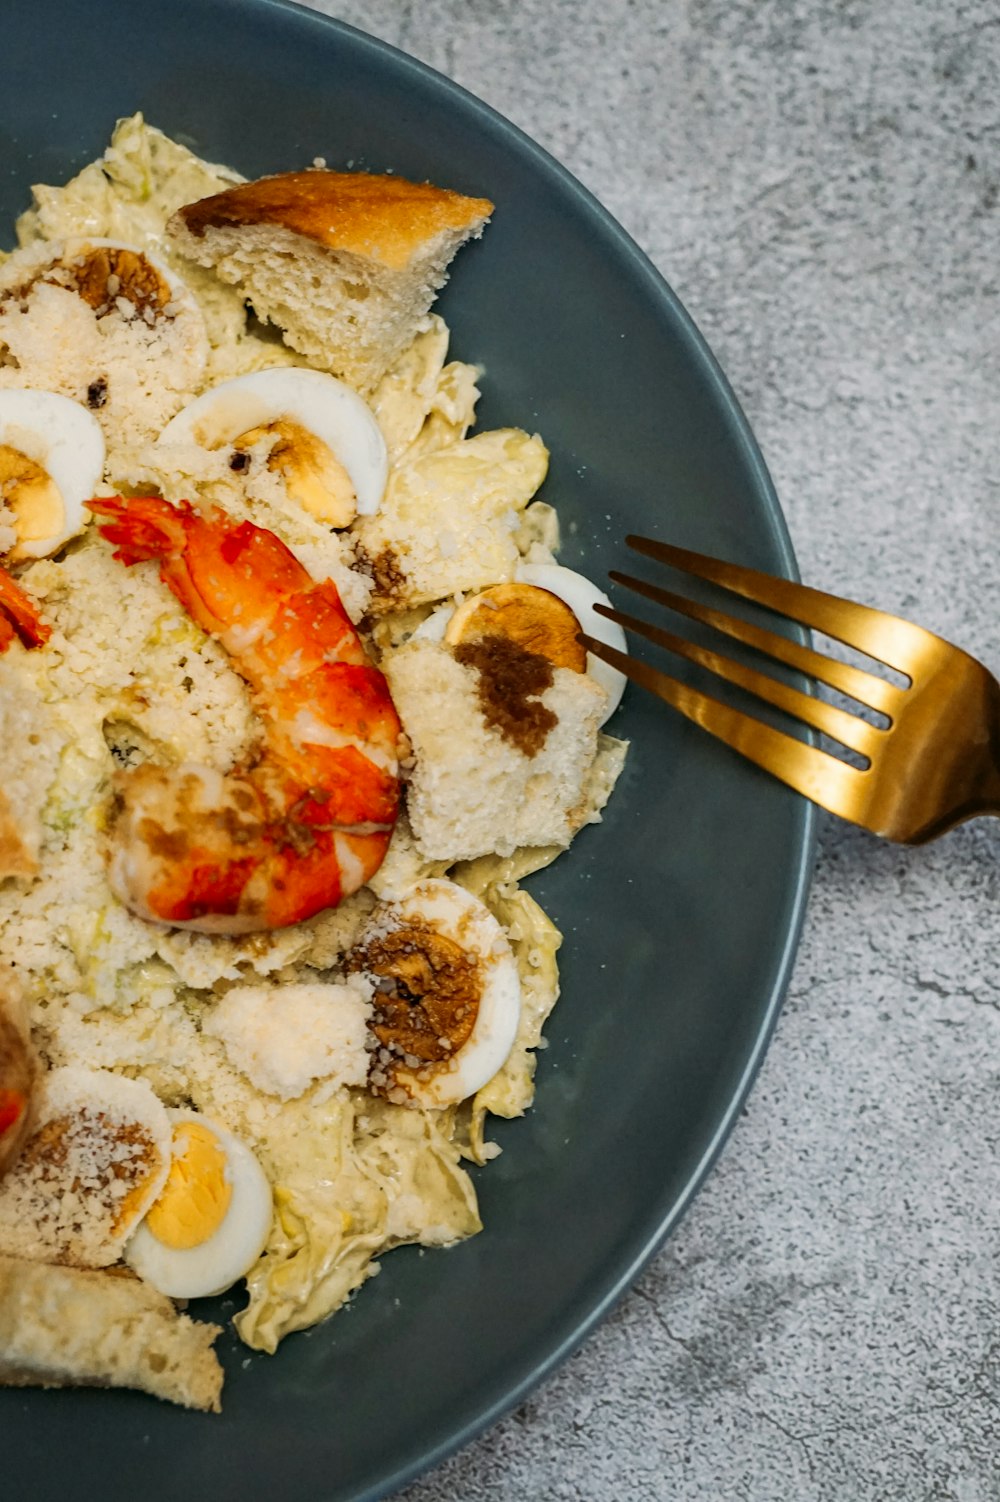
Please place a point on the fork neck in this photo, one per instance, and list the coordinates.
(988, 789)
(971, 773)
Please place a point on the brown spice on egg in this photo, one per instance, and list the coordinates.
(114, 1160)
(427, 997)
(109, 273)
(510, 683)
(104, 276)
(314, 477)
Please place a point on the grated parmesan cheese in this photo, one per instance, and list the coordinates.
(283, 1038)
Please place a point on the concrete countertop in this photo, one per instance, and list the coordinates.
(819, 180)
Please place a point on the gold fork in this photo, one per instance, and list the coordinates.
(932, 762)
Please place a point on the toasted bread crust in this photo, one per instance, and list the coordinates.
(66, 1327)
(386, 219)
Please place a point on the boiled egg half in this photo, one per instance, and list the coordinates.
(575, 591)
(212, 1217)
(320, 436)
(447, 999)
(581, 596)
(111, 277)
(51, 461)
(122, 284)
(95, 1160)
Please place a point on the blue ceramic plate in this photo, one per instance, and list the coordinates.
(680, 911)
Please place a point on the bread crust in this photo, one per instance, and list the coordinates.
(386, 219)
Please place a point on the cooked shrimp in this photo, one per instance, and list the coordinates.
(271, 844)
(18, 1069)
(19, 616)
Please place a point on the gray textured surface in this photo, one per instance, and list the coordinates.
(819, 182)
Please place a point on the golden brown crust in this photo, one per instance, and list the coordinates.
(386, 219)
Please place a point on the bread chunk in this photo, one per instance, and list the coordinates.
(472, 791)
(67, 1327)
(346, 264)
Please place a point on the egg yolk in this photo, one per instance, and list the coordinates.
(197, 1193)
(33, 496)
(314, 478)
(531, 617)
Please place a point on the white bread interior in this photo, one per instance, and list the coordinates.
(70, 1327)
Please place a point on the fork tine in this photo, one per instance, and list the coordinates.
(816, 774)
(846, 728)
(881, 636)
(864, 687)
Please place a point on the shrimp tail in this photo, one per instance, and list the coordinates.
(197, 550)
(19, 616)
(143, 528)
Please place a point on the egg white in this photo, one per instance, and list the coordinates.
(66, 441)
(467, 922)
(581, 596)
(221, 1260)
(326, 407)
